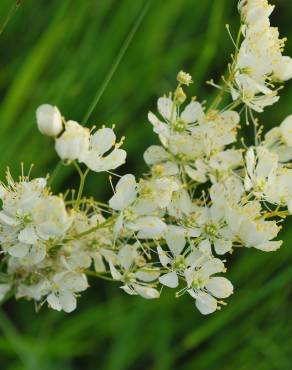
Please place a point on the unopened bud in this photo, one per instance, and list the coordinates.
(49, 120)
(180, 95)
(184, 78)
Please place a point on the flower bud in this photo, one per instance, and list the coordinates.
(184, 78)
(180, 95)
(49, 120)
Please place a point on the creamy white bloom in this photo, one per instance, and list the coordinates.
(73, 144)
(260, 167)
(279, 189)
(137, 213)
(49, 120)
(97, 157)
(64, 286)
(255, 11)
(279, 140)
(139, 282)
(206, 288)
(175, 262)
(249, 226)
(50, 218)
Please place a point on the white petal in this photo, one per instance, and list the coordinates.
(220, 287)
(155, 154)
(54, 302)
(269, 246)
(193, 112)
(67, 301)
(205, 246)
(28, 235)
(7, 220)
(146, 292)
(205, 303)
(175, 239)
(128, 290)
(19, 250)
(222, 246)
(114, 272)
(36, 253)
(102, 140)
(75, 282)
(149, 227)
(126, 255)
(213, 266)
(170, 280)
(100, 164)
(147, 276)
(163, 257)
(125, 193)
(99, 265)
(165, 107)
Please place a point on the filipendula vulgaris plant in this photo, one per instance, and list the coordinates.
(202, 198)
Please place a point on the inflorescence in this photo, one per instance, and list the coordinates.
(205, 195)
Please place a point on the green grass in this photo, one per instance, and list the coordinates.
(64, 52)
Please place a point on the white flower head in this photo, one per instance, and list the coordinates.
(73, 144)
(64, 287)
(97, 157)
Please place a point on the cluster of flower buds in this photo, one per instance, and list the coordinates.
(204, 196)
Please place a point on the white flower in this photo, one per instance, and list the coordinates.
(161, 162)
(97, 158)
(206, 288)
(126, 193)
(249, 226)
(175, 123)
(73, 144)
(34, 291)
(254, 94)
(283, 69)
(176, 263)
(208, 222)
(260, 166)
(138, 282)
(64, 286)
(255, 11)
(279, 189)
(137, 214)
(50, 217)
(49, 120)
(19, 198)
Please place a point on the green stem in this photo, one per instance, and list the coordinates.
(104, 224)
(99, 275)
(282, 214)
(82, 182)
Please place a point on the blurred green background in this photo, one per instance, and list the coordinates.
(61, 52)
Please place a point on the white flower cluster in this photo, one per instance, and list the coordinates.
(259, 64)
(204, 196)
